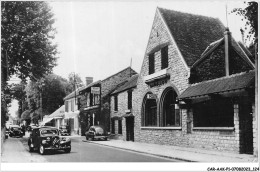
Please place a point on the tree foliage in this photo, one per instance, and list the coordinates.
(250, 14)
(74, 79)
(52, 88)
(26, 39)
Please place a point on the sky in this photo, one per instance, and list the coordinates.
(98, 39)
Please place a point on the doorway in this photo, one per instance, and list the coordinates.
(129, 128)
(246, 126)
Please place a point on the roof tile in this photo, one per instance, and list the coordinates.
(232, 82)
(192, 33)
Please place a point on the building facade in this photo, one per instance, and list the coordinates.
(100, 109)
(71, 117)
(90, 106)
(121, 117)
(178, 41)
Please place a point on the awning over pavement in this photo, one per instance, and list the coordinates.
(225, 84)
(46, 120)
(59, 113)
(71, 114)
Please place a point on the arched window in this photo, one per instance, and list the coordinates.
(170, 113)
(149, 110)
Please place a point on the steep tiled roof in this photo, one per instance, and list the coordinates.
(232, 82)
(192, 33)
(238, 47)
(130, 83)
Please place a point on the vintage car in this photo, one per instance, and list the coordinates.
(15, 131)
(96, 132)
(6, 133)
(47, 138)
(64, 130)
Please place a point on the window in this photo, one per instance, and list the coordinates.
(151, 63)
(96, 99)
(170, 109)
(119, 126)
(90, 99)
(217, 112)
(149, 112)
(130, 99)
(115, 103)
(164, 57)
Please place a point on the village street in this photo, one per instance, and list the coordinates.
(82, 151)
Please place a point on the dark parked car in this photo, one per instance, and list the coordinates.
(15, 131)
(96, 132)
(47, 138)
(6, 133)
(64, 130)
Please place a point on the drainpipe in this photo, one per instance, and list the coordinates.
(227, 40)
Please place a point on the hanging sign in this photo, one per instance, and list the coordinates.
(95, 90)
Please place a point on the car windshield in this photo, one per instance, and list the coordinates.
(99, 130)
(49, 131)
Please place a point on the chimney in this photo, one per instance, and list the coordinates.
(89, 80)
(227, 44)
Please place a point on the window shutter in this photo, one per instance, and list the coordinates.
(151, 63)
(130, 99)
(66, 106)
(164, 57)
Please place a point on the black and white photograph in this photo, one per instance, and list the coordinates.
(136, 85)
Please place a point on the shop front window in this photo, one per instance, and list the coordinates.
(217, 112)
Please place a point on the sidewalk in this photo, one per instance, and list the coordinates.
(15, 152)
(176, 152)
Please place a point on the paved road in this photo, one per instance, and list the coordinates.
(83, 151)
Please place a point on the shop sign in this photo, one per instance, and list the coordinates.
(158, 82)
(95, 90)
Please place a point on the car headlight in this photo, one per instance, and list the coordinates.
(44, 141)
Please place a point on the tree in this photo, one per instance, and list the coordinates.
(250, 14)
(74, 79)
(50, 91)
(26, 39)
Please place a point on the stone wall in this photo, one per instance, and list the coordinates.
(185, 135)
(107, 86)
(178, 81)
(122, 106)
(255, 131)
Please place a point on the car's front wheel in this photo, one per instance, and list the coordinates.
(30, 148)
(42, 150)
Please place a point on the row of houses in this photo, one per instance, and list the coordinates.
(196, 88)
